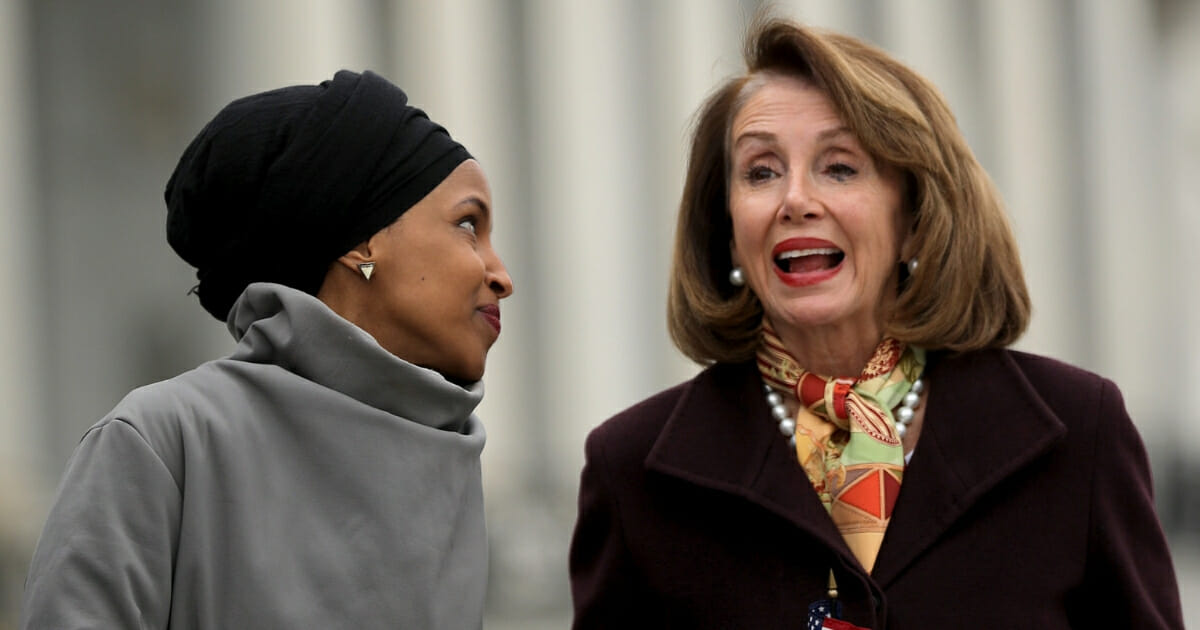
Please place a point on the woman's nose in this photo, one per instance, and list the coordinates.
(497, 276)
(799, 201)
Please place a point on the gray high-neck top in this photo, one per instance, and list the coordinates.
(310, 480)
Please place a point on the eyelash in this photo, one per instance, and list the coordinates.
(758, 173)
(840, 172)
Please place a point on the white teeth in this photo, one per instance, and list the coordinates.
(800, 253)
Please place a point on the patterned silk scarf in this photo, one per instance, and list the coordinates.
(846, 438)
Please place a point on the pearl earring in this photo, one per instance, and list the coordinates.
(737, 277)
(912, 266)
(366, 269)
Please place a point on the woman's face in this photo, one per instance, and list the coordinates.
(437, 282)
(817, 224)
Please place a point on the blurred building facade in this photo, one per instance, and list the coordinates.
(1086, 113)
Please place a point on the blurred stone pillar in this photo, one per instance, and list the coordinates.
(1028, 88)
(24, 477)
(1136, 304)
(20, 365)
(1182, 162)
(844, 15)
(1183, 146)
(265, 44)
(588, 185)
(921, 33)
(694, 47)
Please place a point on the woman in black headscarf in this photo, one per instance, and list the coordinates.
(326, 474)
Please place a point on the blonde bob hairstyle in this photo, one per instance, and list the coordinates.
(968, 292)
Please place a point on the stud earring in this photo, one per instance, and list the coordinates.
(737, 277)
(912, 266)
(366, 269)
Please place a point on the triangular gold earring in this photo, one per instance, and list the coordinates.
(366, 269)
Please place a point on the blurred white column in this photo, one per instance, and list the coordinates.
(840, 15)
(21, 369)
(1183, 164)
(589, 215)
(695, 46)
(922, 34)
(1033, 165)
(1137, 329)
(265, 44)
(24, 480)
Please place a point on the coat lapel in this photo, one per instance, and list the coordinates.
(984, 422)
(721, 436)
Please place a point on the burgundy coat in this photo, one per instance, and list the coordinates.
(1027, 504)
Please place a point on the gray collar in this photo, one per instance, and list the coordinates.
(275, 324)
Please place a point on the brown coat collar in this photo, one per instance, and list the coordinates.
(984, 422)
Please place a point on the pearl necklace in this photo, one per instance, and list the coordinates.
(787, 424)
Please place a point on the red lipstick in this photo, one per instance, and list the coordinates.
(805, 247)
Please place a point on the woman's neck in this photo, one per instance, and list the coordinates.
(831, 351)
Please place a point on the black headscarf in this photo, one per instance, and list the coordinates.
(280, 184)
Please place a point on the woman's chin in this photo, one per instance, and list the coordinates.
(463, 374)
(814, 317)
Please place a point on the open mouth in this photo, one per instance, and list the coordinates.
(809, 260)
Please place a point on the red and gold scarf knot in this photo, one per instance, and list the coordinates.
(845, 436)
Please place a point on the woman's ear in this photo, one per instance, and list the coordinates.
(360, 254)
(339, 290)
